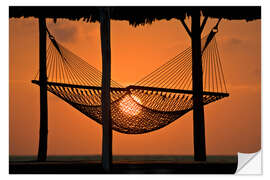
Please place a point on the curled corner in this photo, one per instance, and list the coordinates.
(249, 163)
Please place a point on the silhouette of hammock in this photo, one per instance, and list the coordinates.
(152, 103)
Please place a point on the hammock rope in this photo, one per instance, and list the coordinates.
(155, 101)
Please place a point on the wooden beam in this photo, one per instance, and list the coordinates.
(211, 35)
(78, 86)
(185, 26)
(131, 87)
(197, 87)
(43, 131)
(105, 89)
(203, 23)
(180, 91)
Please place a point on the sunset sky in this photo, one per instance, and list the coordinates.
(233, 124)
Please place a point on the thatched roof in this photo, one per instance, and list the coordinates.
(135, 15)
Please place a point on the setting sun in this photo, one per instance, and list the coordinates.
(129, 105)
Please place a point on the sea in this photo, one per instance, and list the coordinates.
(168, 158)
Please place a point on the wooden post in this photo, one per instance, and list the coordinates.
(105, 89)
(43, 136)
(197, 86)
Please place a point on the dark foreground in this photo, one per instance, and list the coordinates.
(122, 167)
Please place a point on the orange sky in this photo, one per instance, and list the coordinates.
(232, 124)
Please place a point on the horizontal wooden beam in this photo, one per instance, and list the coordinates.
(78, 86)
(176, 90)
(134, 88)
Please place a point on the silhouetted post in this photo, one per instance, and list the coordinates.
(105, 89)
(43, 136)
(197, 86)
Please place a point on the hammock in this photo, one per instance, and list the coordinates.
(152, 103)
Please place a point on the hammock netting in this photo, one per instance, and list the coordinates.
(150, 104)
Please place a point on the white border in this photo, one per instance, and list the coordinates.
(4, 74)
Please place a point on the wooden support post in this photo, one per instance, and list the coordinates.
(197, 86)
(105, 89)
(43, 136)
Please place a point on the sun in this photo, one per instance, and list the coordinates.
(129, 106)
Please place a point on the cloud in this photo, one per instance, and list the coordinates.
(235, 41)
(64, 32)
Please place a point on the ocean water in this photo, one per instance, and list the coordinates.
(182, 158)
